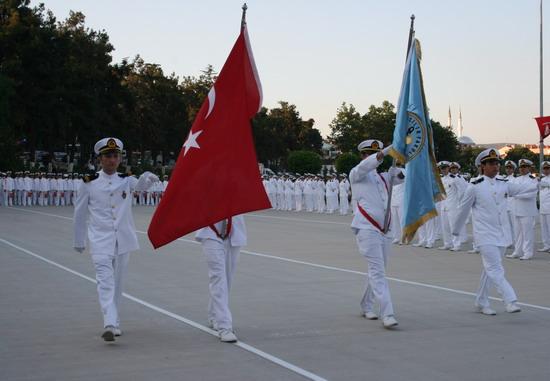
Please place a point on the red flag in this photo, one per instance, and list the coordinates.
(216, 175)
(544, 126)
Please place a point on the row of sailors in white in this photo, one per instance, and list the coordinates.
(308, 192)
(56, 189)
(455, 186)
(28, 189)
(151, 196)
(521, 210)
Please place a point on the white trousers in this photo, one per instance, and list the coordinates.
(344, 205)
(110, 272)
(447, 220)
(545, 227)
(511, 219)
(375, 248)
(310, 202)
(289, 201)
(321, 203)
(222, 259)
(298, 199)
(525, 236)
(396, 222)
(332, 203)
(493, 274)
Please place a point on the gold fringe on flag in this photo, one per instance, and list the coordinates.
(409, 231)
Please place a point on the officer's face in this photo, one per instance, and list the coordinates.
(109, 162)
(454, 170)
(524, 169)
(444, 170)
(510, 170)
(490, 169)
(546, 172)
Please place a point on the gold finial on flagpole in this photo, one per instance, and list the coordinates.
(243, 20)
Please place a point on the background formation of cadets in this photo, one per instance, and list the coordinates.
(57, 189)
(330, 194)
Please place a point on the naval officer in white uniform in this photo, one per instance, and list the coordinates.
(487, 198)
(221, 245)
(105, 198)
(371, 192)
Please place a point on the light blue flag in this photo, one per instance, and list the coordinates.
(413, 145)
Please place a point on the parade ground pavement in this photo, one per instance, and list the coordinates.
(295, 303)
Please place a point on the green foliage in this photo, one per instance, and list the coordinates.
(517, 153)
(467, 159)
(280, 130)
(445, 143)
(345, 162)
(304, 162)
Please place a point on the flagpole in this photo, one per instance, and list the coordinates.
(225, 221)
(243, 20)
(541, 143)
(390, 187)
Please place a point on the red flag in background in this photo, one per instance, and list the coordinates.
(544, 126)
(216, 175)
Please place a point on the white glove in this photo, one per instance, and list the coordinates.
(79, 249)
(386, 150)
(151, 177)
(394, 171)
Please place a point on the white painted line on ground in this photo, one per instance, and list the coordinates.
(335, 268)
(192, 323)
(297, 219)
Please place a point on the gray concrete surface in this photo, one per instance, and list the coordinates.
(295, 298)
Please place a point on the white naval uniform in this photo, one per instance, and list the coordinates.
(454, 187)
(371, 192)
(344, 193)
(544, 198)
(488, 200)
(397, 201)
(332, 195)
(111, 233)
(298, 194)
(525, 210)
(222, 257)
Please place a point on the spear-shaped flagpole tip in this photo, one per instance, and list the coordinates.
(243, 20)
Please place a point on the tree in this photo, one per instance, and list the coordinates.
(304, 162)
(467, 159)
(345, 162)
(348, 128)
(518, 153)
(380, 122)
(445, 143)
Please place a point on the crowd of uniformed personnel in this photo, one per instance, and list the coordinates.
(332, 194)
(58, 189)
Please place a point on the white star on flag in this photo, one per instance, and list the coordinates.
(191, 141)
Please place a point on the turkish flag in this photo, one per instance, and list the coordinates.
(544, 126)
(217, 174)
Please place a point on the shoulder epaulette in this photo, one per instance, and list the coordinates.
(478, 181)
(453, 176)
(542, 177)
(123, 175)
(532, 177)
(91, 177)
(499, 179)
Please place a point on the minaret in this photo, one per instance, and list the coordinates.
(449, 121)
(459, 128)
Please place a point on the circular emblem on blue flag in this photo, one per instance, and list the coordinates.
(416, 137)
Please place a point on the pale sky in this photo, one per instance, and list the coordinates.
(480, 56)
